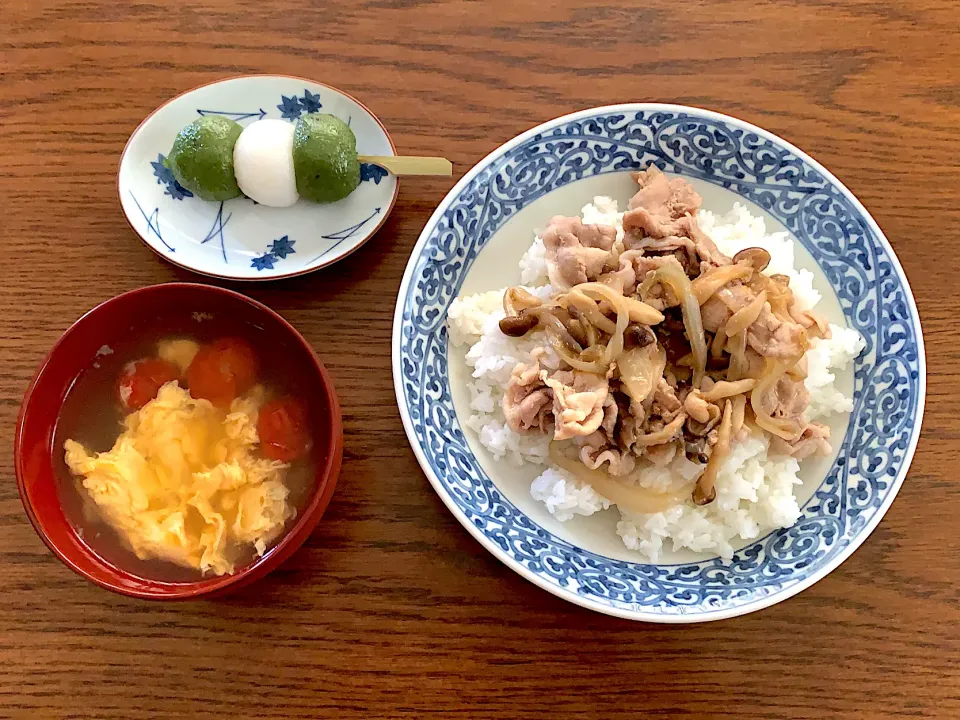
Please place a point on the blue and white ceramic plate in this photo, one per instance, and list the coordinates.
(239, 239)
(477, 235)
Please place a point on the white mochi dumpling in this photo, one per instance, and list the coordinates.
(263, 163)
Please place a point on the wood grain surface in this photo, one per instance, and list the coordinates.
(392, 609)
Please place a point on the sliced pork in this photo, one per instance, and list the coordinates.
(769, 336)
(577, 253)
(597, 451)
(578, 400)
(671, 198)
(814, 440)
(527, 402)
(660, 221)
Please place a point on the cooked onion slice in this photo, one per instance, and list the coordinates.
(517, 299)
(573, 359)
(555, 326)
(739, 365)
(674, 276)
(746, 316)
(588, 307)
(715, 278)
(632, 498)
(641, 369)
(782, 428)
(600, 291)
(719, 342)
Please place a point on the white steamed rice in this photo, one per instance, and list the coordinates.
(755, 493)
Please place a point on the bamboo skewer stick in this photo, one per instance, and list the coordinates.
(410, 165)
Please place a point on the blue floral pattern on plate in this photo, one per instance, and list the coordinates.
(372, 173)
(292, 107)
(824, 217)
(165, 177)
(279, 249)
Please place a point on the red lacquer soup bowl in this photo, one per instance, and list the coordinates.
(75, 391)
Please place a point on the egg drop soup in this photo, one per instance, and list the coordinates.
(186, 452)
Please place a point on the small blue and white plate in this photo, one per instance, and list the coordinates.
(484, 225)
(239, 239)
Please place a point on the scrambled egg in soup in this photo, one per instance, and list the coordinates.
(184, 483)
(179, 351)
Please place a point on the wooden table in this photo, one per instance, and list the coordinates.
(392, 609)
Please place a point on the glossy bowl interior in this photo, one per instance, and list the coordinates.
(82, 349)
